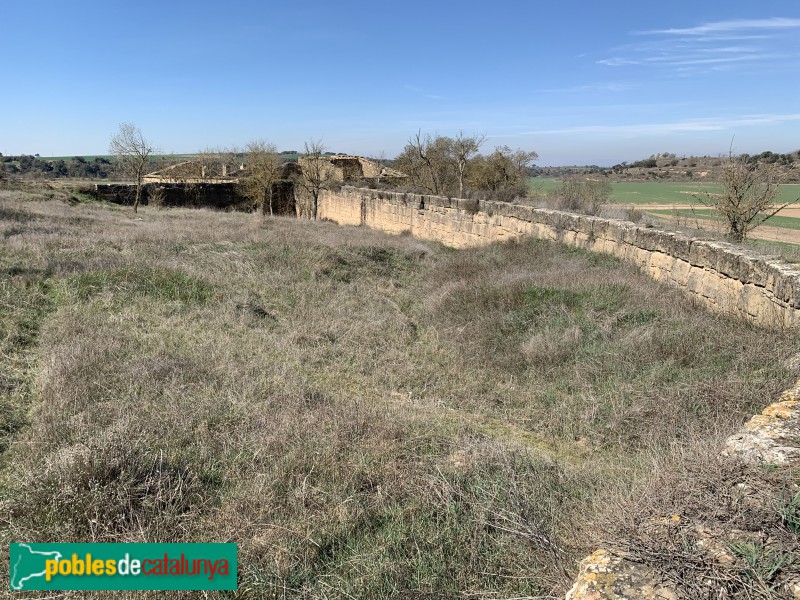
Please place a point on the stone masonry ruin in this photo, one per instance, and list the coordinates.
(721, 276)
(214, 183)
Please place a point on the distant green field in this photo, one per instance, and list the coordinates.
(661, 193)
(544, 184)
(681, 193)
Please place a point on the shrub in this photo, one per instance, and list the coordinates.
(156, 195)
(583, 195)
(748, 194)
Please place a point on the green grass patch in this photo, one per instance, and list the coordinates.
(349, 264)
(163, 285)
(18, 216)
(784, 250)
(681, 193)
(26, 298)
(540, 298)
(543, 184)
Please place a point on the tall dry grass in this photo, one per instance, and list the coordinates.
(365, 415)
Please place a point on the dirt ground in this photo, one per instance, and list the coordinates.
(763, 232)
(789, 211)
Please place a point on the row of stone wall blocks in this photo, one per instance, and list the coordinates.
(721, 276)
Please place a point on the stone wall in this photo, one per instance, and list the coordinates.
(719, 275)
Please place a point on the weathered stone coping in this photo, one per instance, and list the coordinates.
(722, 276)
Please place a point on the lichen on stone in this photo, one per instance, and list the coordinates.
(772, 437)
(610, 576)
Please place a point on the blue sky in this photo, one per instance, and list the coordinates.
(576, 82)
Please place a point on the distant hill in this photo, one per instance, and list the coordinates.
(33, 166)
(670, 167)
(536, 171)
(658, 167)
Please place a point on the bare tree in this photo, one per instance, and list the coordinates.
(428, 161)
(380, 162)
(447, 166)
(463, 148)
(503, 170)
(425, 151)
(524, 159)
(264, 169)
(316, 173)
(133, 153)
(747, 199)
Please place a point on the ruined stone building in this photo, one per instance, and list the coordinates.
(348, 167)
(198, 171)
(212, 181)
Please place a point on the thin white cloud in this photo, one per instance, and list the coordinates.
(683, 61)
(612, 87)
(423, 93)
(773, 23)
(686, 60)
(618, 61)
(677, 48)
(729, 49)
(697, 125)
(731, 38)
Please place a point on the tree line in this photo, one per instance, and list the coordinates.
(76, 167)
(434, 164)
(453, 166)
(441, 165)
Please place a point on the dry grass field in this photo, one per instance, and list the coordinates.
(367, 416)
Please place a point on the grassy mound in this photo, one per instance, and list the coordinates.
(366, 416)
